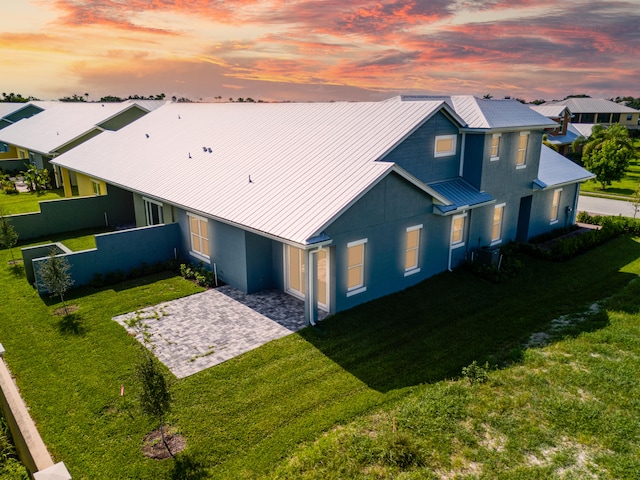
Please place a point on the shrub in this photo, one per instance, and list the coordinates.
(202, 276)
(475, 373)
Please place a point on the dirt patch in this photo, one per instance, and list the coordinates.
(152, 445)
(62, 312)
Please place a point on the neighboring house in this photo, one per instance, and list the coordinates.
(59, 128)
(561, 136)
(336, 203)
(600, 110)
(10, 113)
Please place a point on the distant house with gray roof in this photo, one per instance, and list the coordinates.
(335, 203)
(599, 110)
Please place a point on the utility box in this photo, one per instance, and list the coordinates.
(489, 255)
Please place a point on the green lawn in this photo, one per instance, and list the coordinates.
(266, 414)
(625, 187)
(27, 202)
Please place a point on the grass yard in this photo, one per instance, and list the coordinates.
(625, 187)
(27, 202)
(371, 393)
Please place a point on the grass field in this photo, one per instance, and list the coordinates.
(27, 202)
(323, 403)
(625, 187)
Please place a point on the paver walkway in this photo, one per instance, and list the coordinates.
(196, 332)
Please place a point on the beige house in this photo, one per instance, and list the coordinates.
(600, 110)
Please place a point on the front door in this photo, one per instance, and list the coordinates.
(295, 274)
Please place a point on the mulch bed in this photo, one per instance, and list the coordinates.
(152, 446)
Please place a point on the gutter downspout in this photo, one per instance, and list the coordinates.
(450, 245)
(462, 148)
(311, 292)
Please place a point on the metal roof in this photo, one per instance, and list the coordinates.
(461, 195)
(556, 170)
(594, 105)
(581, 129)
(286, 170)
(490, 114)
(551, 111)
(59, 124)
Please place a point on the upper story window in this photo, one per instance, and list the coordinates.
(355, 267)
(496, 229)
(457, 230)
(412, 247)
(629, 117)
(521, 159)
(22, 153)
(4, 148)
(555, 205)
(445, 145)
(495, 147)
(199, 233)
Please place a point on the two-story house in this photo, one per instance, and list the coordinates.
(336, 203)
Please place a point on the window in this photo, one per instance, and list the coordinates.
(355, 267)
(555, 205)
(629, 117)
(153, 212)
(95, 187)
(496, 229)
(445, 145)
(412, 247)
(22, 153)
(522, 150)
(199, 233)
(495, 147)
(457, 231)
(4, 148)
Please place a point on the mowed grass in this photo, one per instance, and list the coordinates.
(27, 202)
(266, 414)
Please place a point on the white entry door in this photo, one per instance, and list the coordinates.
(295, 274)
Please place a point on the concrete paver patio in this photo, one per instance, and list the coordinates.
(196, 332)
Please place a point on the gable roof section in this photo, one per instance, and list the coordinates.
(556, 170)
(490, 114)
(551, 111)
(285, 170)
(60, 124)
(594, 105)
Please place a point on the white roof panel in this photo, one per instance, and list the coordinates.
(490, 114)
(59, 124)
(284, 169)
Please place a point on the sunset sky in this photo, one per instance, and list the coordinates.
(317, 50)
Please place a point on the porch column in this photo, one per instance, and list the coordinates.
(66, 182)
(311, 290)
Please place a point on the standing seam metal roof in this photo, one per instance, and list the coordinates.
(306, 162)
(60, 124)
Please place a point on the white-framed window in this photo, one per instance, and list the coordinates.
(355, 267)
(521, 159)
(95, 187)
(495, 147)
(555, 205)
(445, 145)
(199, 235)
(153, 212)
(457, 230)
(412, 250)
(496, 229)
